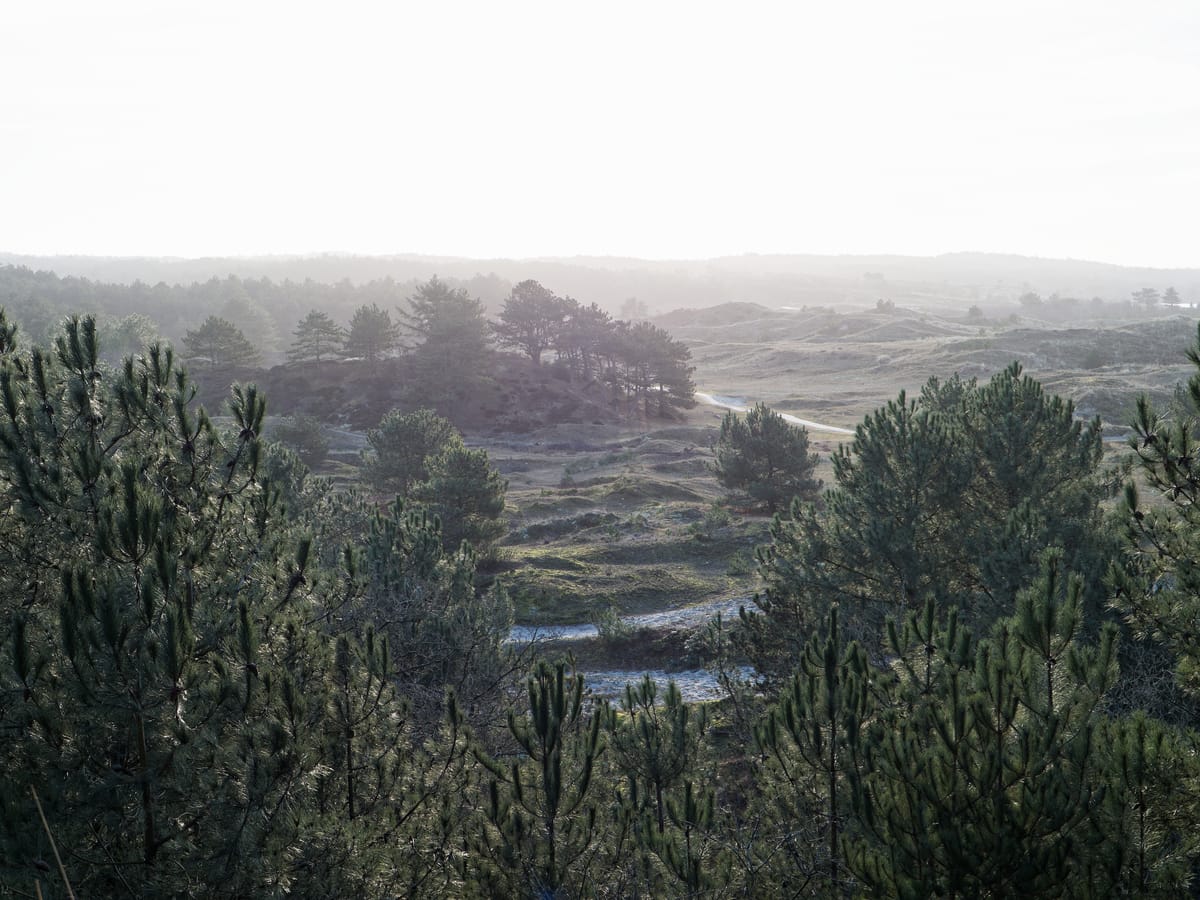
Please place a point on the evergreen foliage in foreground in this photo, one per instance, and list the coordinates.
(950, 497)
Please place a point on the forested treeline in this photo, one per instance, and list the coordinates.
(266, 311)
(437, 324)
(221, 678)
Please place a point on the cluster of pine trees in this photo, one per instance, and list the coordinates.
(446, 339)
(640, 360)
(249, 322)
(222, 678)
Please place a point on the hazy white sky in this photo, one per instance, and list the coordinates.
(650, 128)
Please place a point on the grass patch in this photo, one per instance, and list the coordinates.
(632, 489)
(553, 591)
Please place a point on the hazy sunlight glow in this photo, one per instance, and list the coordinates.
(662, 130)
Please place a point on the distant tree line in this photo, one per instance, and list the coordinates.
(265, 311)
(437, 324)
(1147, 298)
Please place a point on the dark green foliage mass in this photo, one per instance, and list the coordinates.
(984, 767)
(218, 342)
(372, 334)
(402, 447)
(543, 809)
(420, 457)
(151, 597)
(317, 337)
(200, 706)
(952, 497)
(765, 458)
(1158, 585)
(667, 810)
(812, 743)
(467, 496)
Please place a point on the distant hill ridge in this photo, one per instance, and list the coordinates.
(773, 280)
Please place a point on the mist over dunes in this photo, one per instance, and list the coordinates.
(771, 280)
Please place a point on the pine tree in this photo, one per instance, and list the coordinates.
(811, 744)
(1152, 845)
(1157, 583)
(766, 458)
(656, 748)
(532, 319)
(467, 495)
(402, 448)
(220, 343)
(187, 689)
(649, 367)
(950, 497)
(442, 630)
(372, 335)
(452, 352)
(541, 810)
(447, 322)
(317, 337)
(147, 611)
(581, 342)
(984, 769)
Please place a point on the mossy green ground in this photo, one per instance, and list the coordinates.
(634, 521)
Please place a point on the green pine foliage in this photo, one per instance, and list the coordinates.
(666, 813)
(218, 342)
(950, 497)
(147, 599)
(201, 705)
(541, 824)
(402, 447)
(421, 458)
(1158, 582)
(984, 769)
(317, 337)
(467, 495)
(372, 334)
(765, 458)
(444, 633)
(811, 744)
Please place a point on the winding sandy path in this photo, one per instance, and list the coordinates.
(695, 685)
(737, 404)
(686, 616)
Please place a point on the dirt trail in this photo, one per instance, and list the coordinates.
(694, 684)
(737, 404)
(684, 617)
